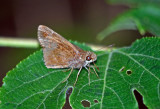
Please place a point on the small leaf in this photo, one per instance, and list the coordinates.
(32, 86)
(144, 18)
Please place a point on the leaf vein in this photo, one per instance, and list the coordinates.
(29, 82)
(117, 96)
(145, 56)
(106, 71)
(138, 64)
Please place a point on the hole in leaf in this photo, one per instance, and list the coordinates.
(129, 72)
(121, 69)
(85, 103)
(95, 101)
(67, 104)
(139, 99)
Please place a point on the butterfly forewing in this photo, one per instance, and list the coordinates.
(58, 52)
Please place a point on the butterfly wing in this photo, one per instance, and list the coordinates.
(57, 51)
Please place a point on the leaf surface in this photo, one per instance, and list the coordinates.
(145, 18)
(32, 86)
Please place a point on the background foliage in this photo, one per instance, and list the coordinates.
(143, 16)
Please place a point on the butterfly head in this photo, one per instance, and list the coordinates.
(90, 57)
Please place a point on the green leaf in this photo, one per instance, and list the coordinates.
(32, 86)
(144, 18)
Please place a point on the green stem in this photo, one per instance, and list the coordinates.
(18, 42)
(33, 43)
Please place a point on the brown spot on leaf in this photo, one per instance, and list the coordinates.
(129, 72)
(85, 103)
(95, 101)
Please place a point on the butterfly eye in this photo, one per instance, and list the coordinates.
(88, 58)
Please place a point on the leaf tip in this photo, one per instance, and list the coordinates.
(100, 37)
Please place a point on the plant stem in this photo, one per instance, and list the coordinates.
(18, 42)
(33, 43)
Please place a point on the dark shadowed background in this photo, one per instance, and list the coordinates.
(79, 20)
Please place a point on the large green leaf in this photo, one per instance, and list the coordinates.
(146, 18)
(32, 86)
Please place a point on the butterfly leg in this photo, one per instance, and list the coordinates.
(88, 74)
(94, 71)
(67, 70)
(90, 70)
(78, 75)
(69, 75)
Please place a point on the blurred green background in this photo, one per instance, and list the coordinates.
(79, 20)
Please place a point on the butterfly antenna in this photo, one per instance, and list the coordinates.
(112, 45)
(105, 47)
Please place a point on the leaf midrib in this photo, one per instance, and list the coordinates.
(105, 75)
